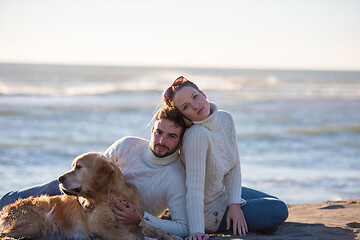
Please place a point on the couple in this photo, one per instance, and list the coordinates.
(209, 197)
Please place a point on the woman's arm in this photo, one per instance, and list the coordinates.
(232, 180)
(195, 147)
(233, 186)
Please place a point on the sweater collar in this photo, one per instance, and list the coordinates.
(211, 121)
(154, 161)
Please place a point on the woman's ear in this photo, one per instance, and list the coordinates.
(188, 122)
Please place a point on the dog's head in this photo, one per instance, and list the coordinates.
(90, 176)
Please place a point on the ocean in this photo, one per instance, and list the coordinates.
(298, 131)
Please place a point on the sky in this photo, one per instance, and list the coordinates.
(271, 34)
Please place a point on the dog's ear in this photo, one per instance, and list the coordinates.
(103, 172)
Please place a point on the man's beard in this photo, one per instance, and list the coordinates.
(167, 153)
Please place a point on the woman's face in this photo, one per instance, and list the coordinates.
(192, 103)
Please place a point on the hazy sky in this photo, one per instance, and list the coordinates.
(297, 34)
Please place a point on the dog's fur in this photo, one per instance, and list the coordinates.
(100, 183)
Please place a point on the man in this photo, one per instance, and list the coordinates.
(155, 170)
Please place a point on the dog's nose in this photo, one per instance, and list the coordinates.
(61, 179)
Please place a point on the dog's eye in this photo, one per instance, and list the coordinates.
(78, 166)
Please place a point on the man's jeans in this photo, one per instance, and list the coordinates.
(50, 188)
(262, 211)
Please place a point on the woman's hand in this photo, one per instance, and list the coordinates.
(236, 215)
(198, 236)
(127, 213)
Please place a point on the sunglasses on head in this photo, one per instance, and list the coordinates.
(177, 82)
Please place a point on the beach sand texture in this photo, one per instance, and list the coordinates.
(324, 220)
(337, 220)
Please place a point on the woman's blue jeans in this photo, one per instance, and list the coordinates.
(262, 211)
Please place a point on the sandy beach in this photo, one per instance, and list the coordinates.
(337, 220)
(324, 220)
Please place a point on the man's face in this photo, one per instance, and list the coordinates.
(165, 138)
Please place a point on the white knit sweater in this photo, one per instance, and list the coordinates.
(160, 182)
(211, 157)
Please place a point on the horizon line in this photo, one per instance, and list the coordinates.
(182, 66)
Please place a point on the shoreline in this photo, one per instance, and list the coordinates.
(321, 220)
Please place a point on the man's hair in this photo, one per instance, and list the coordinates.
(173, 115)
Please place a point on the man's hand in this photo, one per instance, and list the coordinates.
(127, 213)
(236, 216)
(198, 236)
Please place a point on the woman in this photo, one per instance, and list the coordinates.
(215, 199)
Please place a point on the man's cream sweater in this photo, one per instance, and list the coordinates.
(213, 176)
(160, 182)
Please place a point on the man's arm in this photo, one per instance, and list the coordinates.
(174, 193)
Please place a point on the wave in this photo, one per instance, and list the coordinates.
(325, 130)
(47, 80)
(9, 112)
(47, 142)
(241, 91)
(72, 90)
(258, 135)
(332, 129)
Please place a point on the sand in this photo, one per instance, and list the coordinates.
(324, 220)
(338, 220)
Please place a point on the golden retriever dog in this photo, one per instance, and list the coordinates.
(100, 183)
